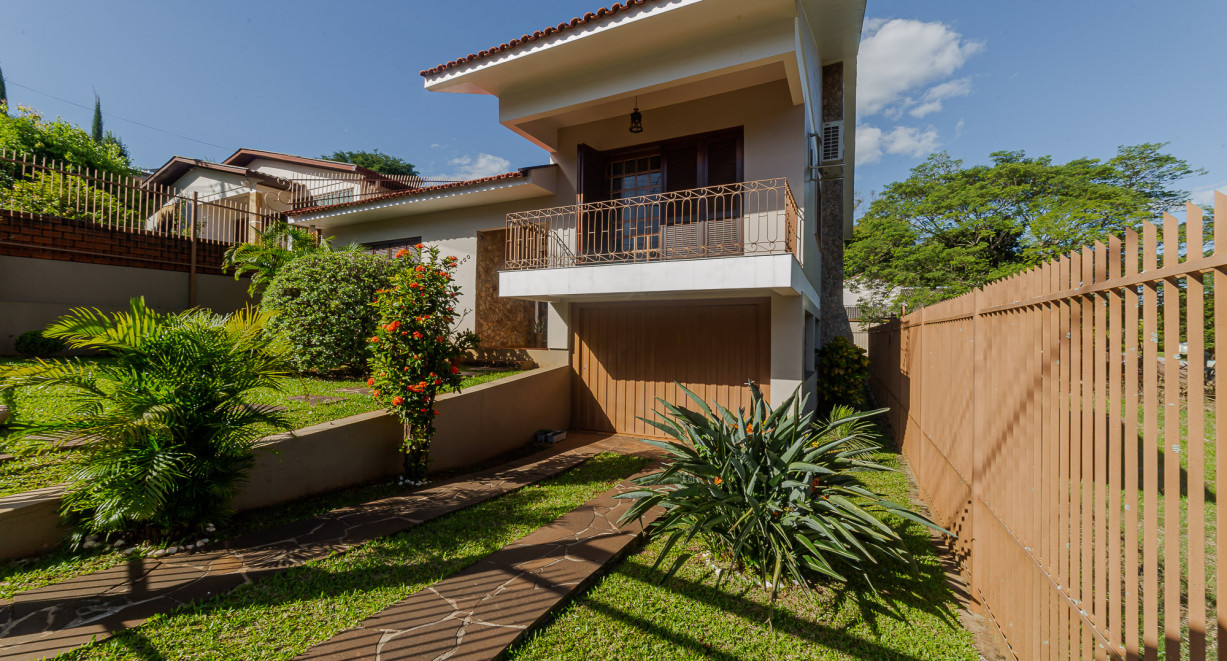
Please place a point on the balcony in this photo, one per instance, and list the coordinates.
(749, 218)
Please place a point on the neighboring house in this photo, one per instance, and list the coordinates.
(675, 234)
(262, 181)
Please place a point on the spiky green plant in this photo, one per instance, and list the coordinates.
(770, 492)
(279, 244)
(167, 414)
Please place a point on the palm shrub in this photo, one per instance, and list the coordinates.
(279, 244)
(771, 492)
(167, 411)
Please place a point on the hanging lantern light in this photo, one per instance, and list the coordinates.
(636, 118)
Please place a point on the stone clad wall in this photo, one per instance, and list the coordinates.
(499, 322)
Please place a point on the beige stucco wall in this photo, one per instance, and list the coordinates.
(453, 232)
(35, 292)
(480, 423)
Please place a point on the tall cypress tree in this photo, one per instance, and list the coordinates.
(4, 93)
(97, 131)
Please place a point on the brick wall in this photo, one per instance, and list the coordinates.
(48, 237)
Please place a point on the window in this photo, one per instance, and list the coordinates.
(334, 197)
(390, 248)
(639, 223)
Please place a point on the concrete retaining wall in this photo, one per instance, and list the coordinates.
(35, 292)
(482, 422)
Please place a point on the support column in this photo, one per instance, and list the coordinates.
(831, 217)
(787, 346)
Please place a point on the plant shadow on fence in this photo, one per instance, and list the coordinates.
(1036, 415)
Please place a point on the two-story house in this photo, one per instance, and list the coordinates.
(261, 181)
(695, 202)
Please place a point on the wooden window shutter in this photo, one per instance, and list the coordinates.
(722, 162)
(591, 185)
(681, 168)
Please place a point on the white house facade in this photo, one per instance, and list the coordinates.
(699, 166)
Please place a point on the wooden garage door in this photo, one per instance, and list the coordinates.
(627, 355)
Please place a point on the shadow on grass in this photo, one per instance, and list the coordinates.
(380, 566)
(735, 602)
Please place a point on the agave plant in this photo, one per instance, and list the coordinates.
(279, 244)
(771, 492)
(166, 414)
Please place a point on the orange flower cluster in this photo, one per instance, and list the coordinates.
(414, 350)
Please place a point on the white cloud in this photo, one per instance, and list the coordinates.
(931, 100)
(868, 144)
(901, 55)
(1206, 195)
(872, 142)
(475, 166)
(958, 128)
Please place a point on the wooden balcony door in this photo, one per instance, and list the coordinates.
(637, 225)
(681, 226)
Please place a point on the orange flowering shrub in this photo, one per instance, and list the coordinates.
(414, 349)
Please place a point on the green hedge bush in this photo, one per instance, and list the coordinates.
(33, 344)
(843, 374)
(322, 304)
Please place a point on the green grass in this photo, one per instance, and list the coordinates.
(63, 563)
(631, 614)
(43, 406)
(282, 615)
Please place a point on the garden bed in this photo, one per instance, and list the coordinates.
(282, 615)
(633, 614)
(27, 473)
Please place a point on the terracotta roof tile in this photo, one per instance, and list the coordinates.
(411, 192)
(539, 34)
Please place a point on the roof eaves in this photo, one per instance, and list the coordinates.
(536, 36)
(414, 192)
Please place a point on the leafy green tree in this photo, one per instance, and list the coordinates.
(374, 160)
(948, 228)
(29, 133)
(96, 132)
(170, 412)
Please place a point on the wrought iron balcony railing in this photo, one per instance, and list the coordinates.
(745, 218)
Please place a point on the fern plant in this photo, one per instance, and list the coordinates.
(771, 492)
(166, 412)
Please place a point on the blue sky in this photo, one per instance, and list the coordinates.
(1068, 79)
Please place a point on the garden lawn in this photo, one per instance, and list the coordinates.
(33, 407)
(280, 616)
(64, 563)
(631, 614)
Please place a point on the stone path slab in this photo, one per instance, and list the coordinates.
(66, 615)
(483, 610)
(315, 400)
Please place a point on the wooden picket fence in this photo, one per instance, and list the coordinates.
(1042, 418)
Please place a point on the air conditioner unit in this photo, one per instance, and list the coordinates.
(832, 141)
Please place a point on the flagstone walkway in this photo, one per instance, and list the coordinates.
(49, 620)
(480, 612)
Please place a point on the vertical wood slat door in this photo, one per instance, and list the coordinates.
(627, 355)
